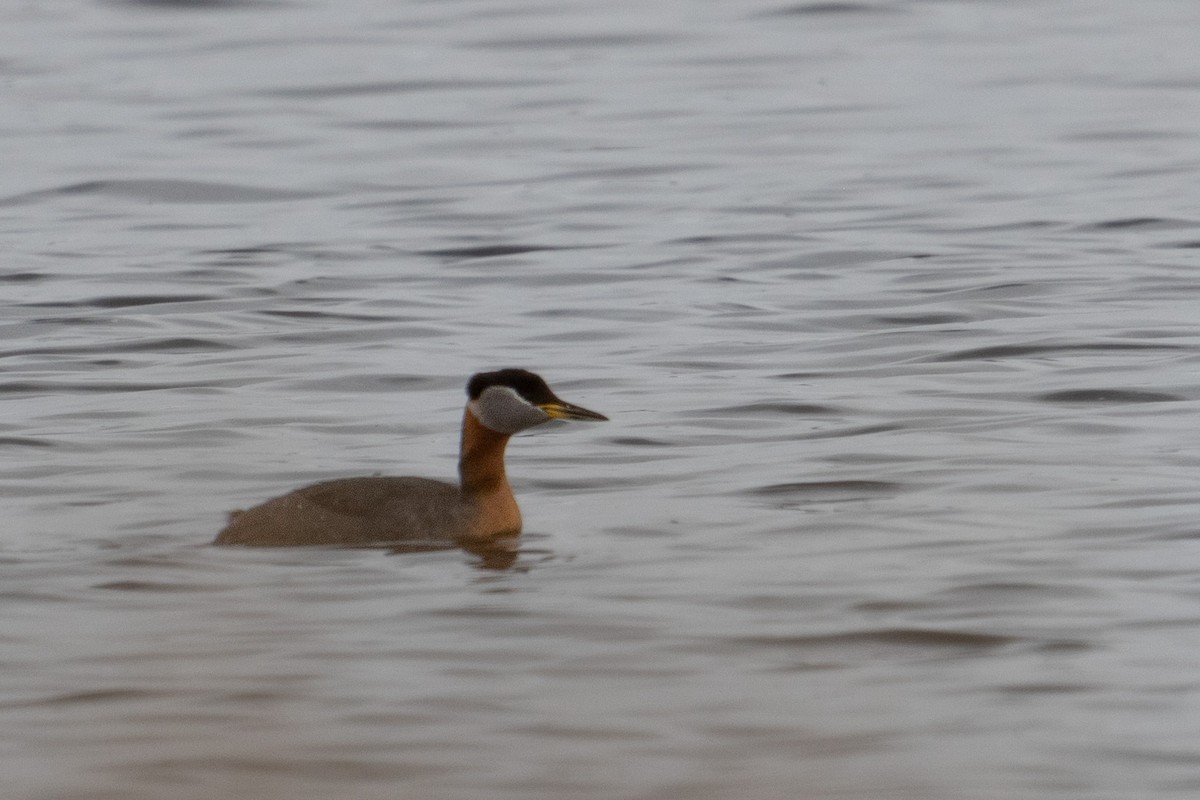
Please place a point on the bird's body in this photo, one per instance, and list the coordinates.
(386, 510)
(352, 512)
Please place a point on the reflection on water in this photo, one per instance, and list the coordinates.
(892, 306)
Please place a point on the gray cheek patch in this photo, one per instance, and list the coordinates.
(504, 411)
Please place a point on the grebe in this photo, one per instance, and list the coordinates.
(386, 510)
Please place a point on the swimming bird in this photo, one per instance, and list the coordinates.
(383, 510)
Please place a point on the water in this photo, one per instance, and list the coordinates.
(892, 305)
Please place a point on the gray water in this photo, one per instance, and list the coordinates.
(893, 306)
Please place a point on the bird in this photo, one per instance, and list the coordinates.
(383, 510)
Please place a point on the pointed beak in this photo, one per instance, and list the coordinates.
(562, 410)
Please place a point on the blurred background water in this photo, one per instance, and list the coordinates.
(893, 306)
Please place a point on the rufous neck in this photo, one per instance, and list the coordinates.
(481, 457)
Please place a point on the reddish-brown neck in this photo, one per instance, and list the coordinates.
(481, 458)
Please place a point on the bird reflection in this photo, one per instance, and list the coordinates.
(500, 554)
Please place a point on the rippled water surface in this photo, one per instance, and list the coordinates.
(893, 306)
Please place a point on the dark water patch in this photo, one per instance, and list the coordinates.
(1187, 534)
(176, 344)
(409, 382)
(178, 227)
(490, 251)
(40, 597)
(201, 5)
(756, 239)
(575, 42)
(1132, 135)
(784, 741)
(1046, 688)
(565, 486)
(1175, 752)
(365, 382)
(1180, 500)
(407, 124)
(25, 441)
(251, 256)
(639, 532)
(146, 586)
(858, 458)
(110, 387)
(390, 88)
(1005, 591)
(1107, 397)
(326, 315)
(481, 612)
(906, 320)
(126, 301)
(94, 697)
(640, 441)
(1141, 223)
(350, 333)
(1193, 244)
(1013, 290)
(574, 313)
(163, 191)
(831, 9)
(1020, 225)
(23, 277)
(921, 638)
(892, 606)
(558, 731)
(152, 561)
(1021, 350)
(800, 376)
(638, 171)
(329, 771)
(816, 491)
(768, 409)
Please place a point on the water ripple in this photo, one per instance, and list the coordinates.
(892, 306)
(162, 191)
(1107, 397)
